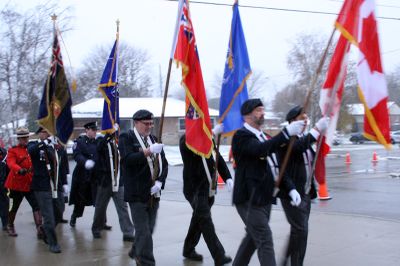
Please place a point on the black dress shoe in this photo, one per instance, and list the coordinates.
(96, 235)
(132, 252)
(223, 260)
(107, 227)
(72, 222)
(128, 238)
(193, 256)
(55, 248)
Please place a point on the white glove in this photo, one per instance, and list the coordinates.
(116, 127)
(218, 129)
(296, 127)
(89, 164)
(156, 147)
(229, 183)
(66, 189)
(295, 196)
(322, 124)
(156, 188)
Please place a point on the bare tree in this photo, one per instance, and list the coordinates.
(133, 77)
(303, 60)
(393, 81)
(255, 85)
(25, 44)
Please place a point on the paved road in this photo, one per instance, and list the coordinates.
(359, 226)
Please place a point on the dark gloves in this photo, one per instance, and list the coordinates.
(22, 171)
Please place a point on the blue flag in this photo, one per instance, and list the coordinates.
(108, 86)
(55, 106)
(237, 71)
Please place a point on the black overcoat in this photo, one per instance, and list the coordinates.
(195, 179)
(254, 181)
(83, 185)
(295, 175)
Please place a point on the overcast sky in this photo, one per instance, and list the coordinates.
(149, 24)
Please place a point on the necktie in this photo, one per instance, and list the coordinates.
(147, 145)
(263, 137)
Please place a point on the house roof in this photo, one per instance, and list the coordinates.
(358, 108)
(93, 108)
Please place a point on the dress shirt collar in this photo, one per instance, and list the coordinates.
(255, 131)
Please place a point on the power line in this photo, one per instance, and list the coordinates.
(391, 6)
(277, 9)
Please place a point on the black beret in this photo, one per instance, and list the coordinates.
(39, 130)
(142, 115)
(91, 125)
(294, 112)
(249, 105)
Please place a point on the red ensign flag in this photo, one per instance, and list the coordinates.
(184, 52)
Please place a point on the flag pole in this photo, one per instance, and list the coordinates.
(216, 148)
(116, 85)
(116, 101)
(305, 105)
(159, 137)
(331, 104)
(53, 18)
(164, 101)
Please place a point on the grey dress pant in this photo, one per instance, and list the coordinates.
(48, 208)
(258, 235)
(104, 194)
(144, 217)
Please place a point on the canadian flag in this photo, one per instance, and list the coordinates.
(330, 101)
(357, 23)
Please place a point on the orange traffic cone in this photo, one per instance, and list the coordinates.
(220, 181)
(374, 157)
(323, 193)
(348, 160)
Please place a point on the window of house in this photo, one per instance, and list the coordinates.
(181, 124)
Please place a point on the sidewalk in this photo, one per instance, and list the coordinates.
(334, 239)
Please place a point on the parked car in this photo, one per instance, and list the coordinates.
(395, 136)
(358, 138)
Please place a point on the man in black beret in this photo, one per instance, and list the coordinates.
(254, 181)
(144, 170)
(299, 187)
(142, 115)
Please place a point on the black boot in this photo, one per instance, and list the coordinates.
(10, 225)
